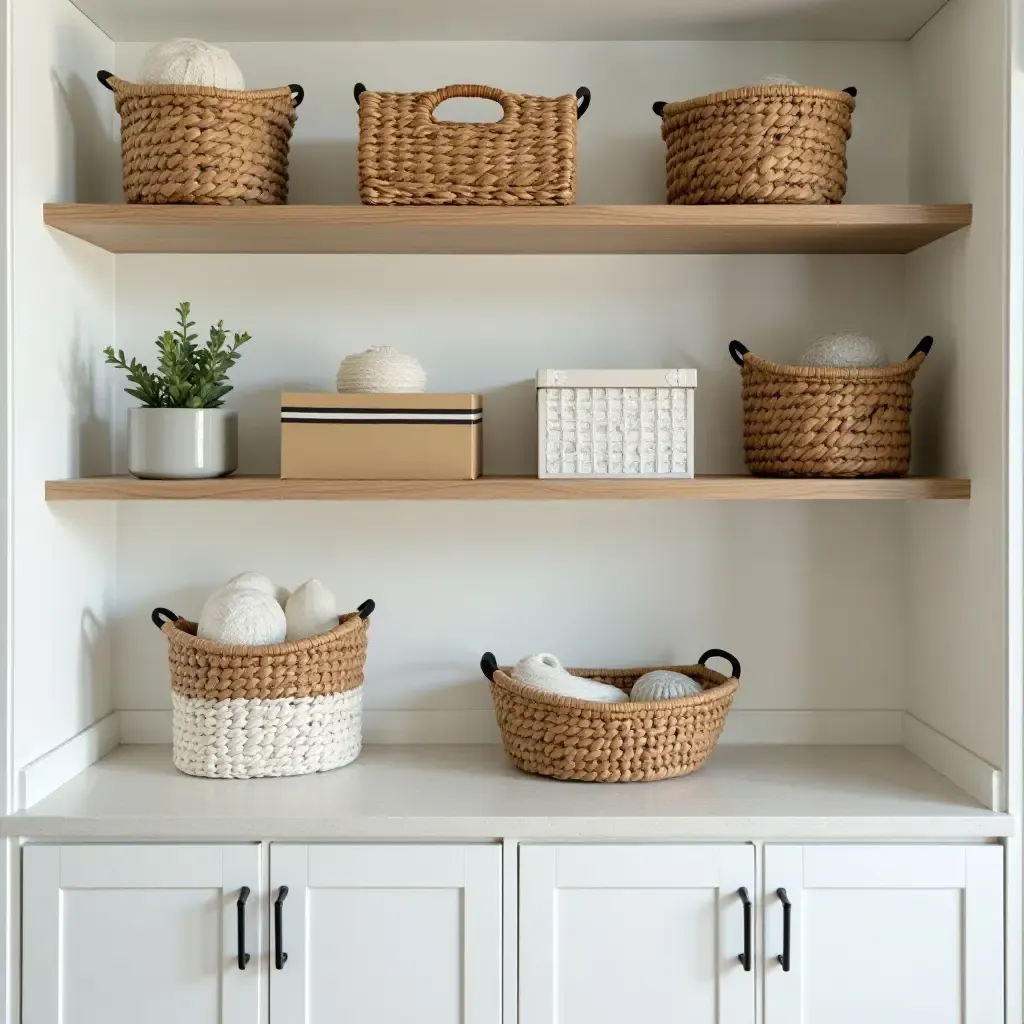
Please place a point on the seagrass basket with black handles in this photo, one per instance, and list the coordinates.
(281, 709)
(589, 741)
(825, 422)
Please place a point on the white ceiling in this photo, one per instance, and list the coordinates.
(307, 20)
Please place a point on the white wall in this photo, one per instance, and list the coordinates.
(957, 291)
(811, 598)
(62, 315)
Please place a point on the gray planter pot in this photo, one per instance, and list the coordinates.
(182, 444)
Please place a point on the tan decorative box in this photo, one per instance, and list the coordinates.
(381, 437)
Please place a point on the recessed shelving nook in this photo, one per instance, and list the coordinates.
(870, 767)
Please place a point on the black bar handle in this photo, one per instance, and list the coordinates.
(298, 93)
(852, 90)
(162, 615)
(746, 957)
(738, 350)
(924, 346)
(243, 957)
(366, 609)
(734, 662)
(489, 665)
(659, 107)
(787, 928)
(280, 956)
(358, 91)
(583, 95)
(104, 79)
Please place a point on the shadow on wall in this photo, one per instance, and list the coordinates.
(324, 172)
(89, 428)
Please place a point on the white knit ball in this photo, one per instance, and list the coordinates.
(310, 611)
(545, 672)
(252, 581)
(191, 62)
(844, 349)
(662, 684)
(248, 617)
(776, 79)
(382, 369)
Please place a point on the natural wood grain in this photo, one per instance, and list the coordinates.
(573, 229)
(704, 488)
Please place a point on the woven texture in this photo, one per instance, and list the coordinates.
(565, 738)
(819, 421)
(245, 712)
(760, 144)
(198, 144)
(407, 157)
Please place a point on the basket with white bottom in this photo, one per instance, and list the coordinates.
(615, 423)
(249, 712)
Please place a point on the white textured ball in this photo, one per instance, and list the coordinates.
(381, 369)
(661, 684)
(545, 672)
(775, 79)
(252, 581)
(844, 349)
(310, 611)
(191, 62)
(248, 617)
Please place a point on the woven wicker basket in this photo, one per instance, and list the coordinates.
(408, 158)
(818, 421)
(760, 144)
(588, 741)
(249, 712)
(197, 144)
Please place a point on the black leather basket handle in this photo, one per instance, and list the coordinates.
(738, 350)
(716, 653)
(489, 665)
(924, 346)
(366, 609)
(161, 616)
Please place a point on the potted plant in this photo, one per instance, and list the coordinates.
(181, 431)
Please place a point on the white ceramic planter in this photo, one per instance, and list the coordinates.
(182, 444)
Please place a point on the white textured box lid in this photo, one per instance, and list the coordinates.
(616, 378)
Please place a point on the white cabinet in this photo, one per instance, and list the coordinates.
(886, 934)
(124, 934)
(645, 933)
(386, 934)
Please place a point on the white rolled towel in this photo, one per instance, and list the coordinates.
(545, 672)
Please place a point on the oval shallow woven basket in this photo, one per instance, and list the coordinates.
(283, 709)
(825, 422)
(758, 144)
(201, 145)
(588, 741)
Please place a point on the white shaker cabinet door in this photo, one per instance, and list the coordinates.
(140, 935)
(609, 934)
(385, 934)
(884, 934)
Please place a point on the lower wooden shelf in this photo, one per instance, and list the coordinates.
(499, 488)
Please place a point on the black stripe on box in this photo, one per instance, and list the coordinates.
(366, 409)
(360, 422)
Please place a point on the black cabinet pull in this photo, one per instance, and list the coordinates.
(787, 927)
(280, 956)
(745, 957)
(243, 957)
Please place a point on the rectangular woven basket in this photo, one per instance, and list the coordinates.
(759, 144)
(407, 157)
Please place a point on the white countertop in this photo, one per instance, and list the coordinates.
(473, 792)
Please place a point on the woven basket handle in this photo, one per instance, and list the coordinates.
(716, 653)
(430, 101)
(161, 616)
(489, 665)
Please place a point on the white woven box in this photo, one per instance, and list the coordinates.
(615, 423)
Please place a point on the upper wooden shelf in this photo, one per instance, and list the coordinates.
(496, 488)
(121, 228)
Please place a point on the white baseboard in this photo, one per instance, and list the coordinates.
(964, 769)
(877, 728)
(47, 773)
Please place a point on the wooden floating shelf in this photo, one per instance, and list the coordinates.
(496, 488)
(121, 228)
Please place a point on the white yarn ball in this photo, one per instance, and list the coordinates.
(844, 349)
(191, 62)
(310, 611)
(775, 79)
(545, 672)
(248, 617)
(252, 581)
(382, 369)
(661, 684)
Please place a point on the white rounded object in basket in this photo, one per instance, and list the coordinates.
(545, 672)
(844, 350)
(252, 581)
(248, 617)
(191, 62)
(249, 739)
(776, 79)
(661, 684)
(310, 611)
(381, 369)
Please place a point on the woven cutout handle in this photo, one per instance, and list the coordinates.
(430, 101)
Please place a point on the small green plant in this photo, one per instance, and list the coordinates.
(187, 376)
